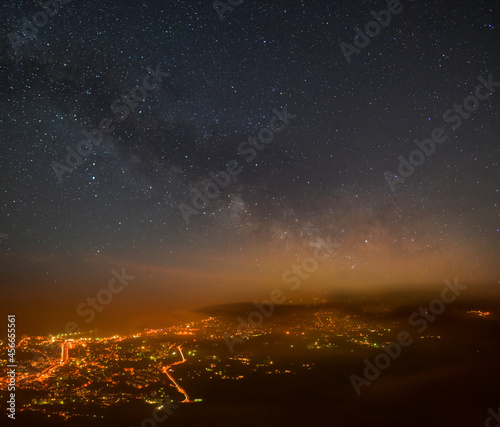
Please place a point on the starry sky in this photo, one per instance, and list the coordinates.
(218, 82)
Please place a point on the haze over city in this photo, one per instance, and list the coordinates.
(188, 184)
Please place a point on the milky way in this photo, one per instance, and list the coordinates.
(116, 116)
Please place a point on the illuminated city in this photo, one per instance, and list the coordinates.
(244, 213)
(62, 376)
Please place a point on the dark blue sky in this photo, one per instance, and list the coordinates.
(322, 176)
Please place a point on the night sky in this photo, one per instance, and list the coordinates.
(213, 84)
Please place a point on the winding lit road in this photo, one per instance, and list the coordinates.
(165, 371)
